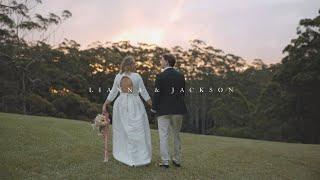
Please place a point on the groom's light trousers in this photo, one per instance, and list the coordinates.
(165, 124)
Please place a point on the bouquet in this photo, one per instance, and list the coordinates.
(100, 122)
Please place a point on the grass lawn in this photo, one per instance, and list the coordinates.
(51, 148)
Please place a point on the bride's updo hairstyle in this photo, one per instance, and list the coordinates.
(127, 65)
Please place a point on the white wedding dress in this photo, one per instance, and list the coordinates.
(130, 125)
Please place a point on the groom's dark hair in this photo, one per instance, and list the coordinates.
(170, 59)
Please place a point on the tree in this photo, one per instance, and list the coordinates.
(16, 21)
(299, 76)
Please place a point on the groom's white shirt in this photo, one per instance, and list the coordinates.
(166, 68)
(152, 110)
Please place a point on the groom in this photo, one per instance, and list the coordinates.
(168, 104)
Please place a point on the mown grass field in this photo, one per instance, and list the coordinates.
(34, 147)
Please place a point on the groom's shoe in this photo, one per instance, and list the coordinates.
(176, 164)
(163, 165)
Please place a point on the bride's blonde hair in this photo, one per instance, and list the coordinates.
(127, 65)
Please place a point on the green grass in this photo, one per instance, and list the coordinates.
(51, 148)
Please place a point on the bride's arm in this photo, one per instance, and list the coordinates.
(143, 91)
(104, 109)
(113, 94)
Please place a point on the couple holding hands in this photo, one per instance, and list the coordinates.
(130, 127)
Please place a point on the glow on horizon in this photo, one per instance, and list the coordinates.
(145, 35)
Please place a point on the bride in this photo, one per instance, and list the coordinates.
(131, 131)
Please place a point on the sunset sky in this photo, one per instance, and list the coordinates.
(248, 28)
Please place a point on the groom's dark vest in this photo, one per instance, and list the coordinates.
(169, 101)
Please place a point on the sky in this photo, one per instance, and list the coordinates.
(247, 28)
